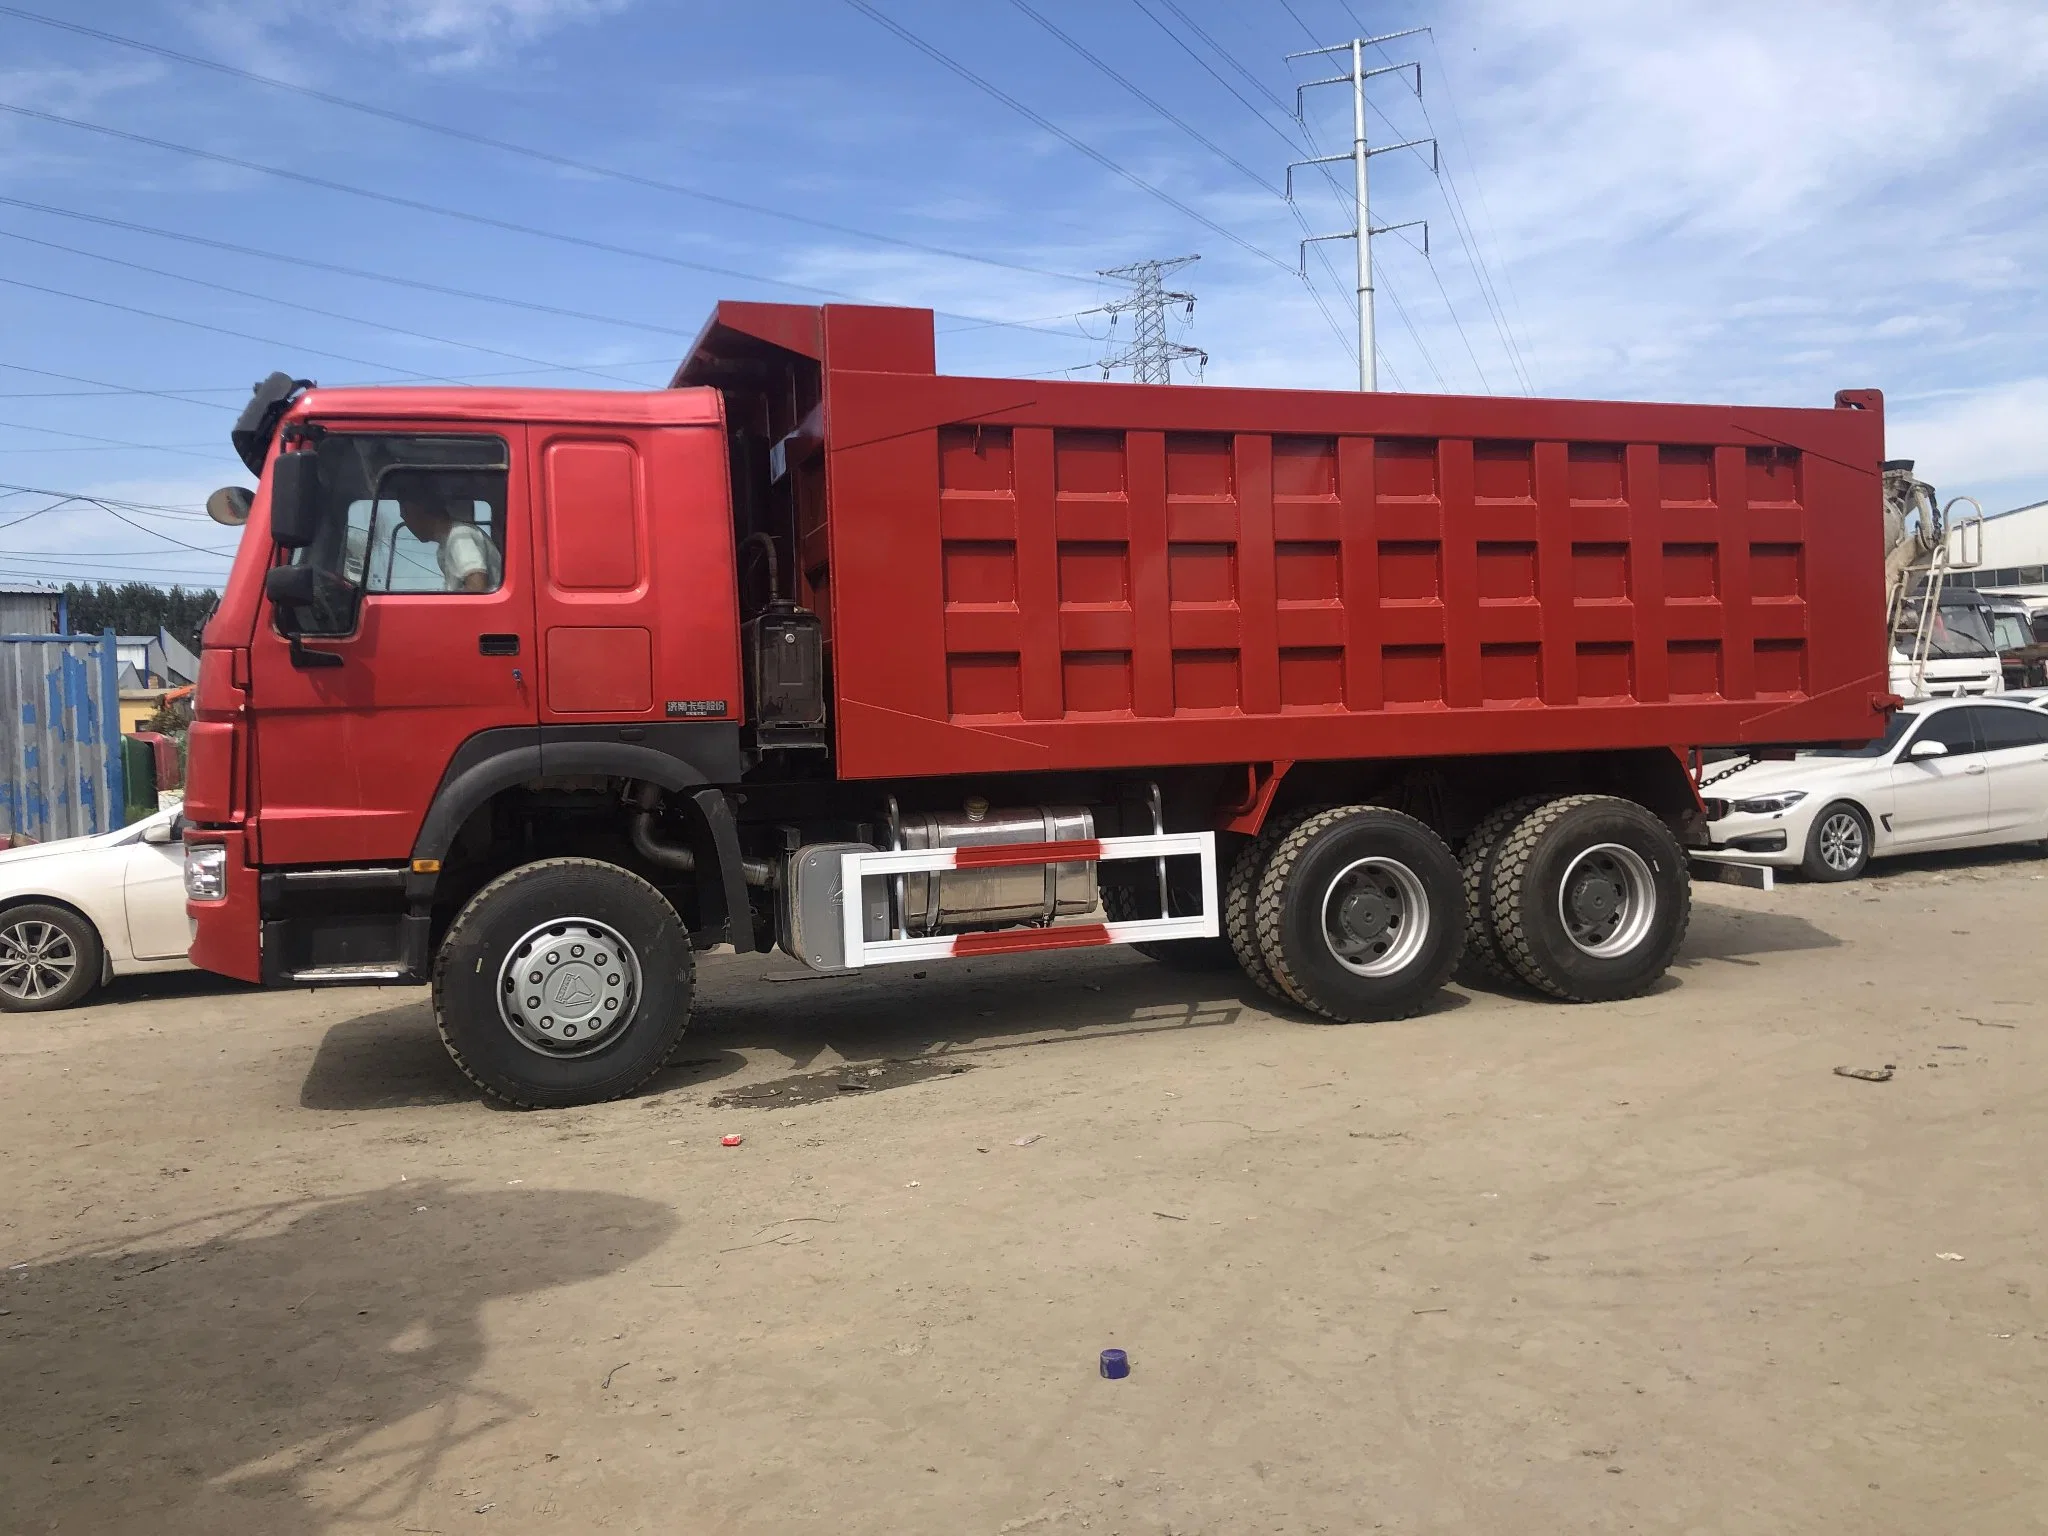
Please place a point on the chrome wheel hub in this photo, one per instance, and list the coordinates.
(1841, 841)
(1375, 917)
(36, 960)
(1607, 900)
(568, 987)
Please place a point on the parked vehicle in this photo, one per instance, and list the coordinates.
(530, 694)
(2022, 640)
(1948, 774)
(75, 912)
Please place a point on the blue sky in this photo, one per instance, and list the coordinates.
(1743, 201)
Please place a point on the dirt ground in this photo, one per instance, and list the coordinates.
(1508, 1267)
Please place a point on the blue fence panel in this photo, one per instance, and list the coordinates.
(60, 736)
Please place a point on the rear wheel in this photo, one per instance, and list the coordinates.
(1122, 904)
(1361, 914)
(1241, 900)
(50, 958)
(1483, 962)
(563, 982)
(1838, 846)
(1590, 898)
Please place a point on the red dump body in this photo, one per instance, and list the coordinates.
(1023, 575)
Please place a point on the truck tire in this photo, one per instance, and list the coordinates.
(1361, 914)
(1241, 900)
(1838, 847)
(563, 982)
(1483, 964)
(50, 958)
(1590, 898)
(1122, 904)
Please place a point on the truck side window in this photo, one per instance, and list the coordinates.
(408, 513)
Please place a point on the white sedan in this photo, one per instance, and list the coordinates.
(1947, 773)
(75, 912)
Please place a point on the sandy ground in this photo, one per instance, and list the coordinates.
(1509, 1267)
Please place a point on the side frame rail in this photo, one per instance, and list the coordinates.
(861, 950)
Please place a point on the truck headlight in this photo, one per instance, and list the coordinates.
(1766, 805)
(206, 871)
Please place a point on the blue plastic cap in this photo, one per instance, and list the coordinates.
(1115, 1364)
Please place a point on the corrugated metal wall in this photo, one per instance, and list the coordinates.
(28, 613)
(60, 736)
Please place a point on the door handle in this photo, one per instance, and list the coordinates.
(1976, 768)
(498, 645)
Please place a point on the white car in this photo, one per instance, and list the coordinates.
(1947, 773)
(76, 912)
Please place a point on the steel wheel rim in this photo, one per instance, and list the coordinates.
(568, 987)
(1607, 900)
(37, 960)
(1841, 842)
(1375, 917)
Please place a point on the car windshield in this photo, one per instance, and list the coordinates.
(1894, 729)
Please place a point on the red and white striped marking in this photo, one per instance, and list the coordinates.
(861, 950)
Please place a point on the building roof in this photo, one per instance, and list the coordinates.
(28, 589)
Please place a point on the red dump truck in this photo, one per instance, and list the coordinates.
(530, 694)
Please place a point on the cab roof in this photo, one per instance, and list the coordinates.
(471, 404)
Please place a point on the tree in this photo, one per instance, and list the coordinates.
(138, 608)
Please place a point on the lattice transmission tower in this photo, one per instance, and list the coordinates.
(1150, 356)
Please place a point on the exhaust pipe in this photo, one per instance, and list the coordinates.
(645, 800)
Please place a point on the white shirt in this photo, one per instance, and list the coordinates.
(464, 551)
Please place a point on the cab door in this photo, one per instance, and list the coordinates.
(349, 752)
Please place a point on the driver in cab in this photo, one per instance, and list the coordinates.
(469, 561)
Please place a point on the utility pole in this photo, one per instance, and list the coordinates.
(1364, 229)
(1150, 356)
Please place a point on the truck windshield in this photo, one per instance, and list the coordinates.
(1958, 633)
(410, 513)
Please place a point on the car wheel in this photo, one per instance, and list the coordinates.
(1361, 914)
(50, 957)
(1838, 847)
(563, 982)
(1590, 898)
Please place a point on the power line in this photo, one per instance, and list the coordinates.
(950, 63)
(309, 309)
(72, 378)
(65, 496)
(545, 157)
(112, 442)
(1181, 123)
(415, 205)
(346, 271)
(218, 330)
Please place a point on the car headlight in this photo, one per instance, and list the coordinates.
(1765, 805)
(206, 871)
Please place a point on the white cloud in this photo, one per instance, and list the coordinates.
(1982, 441)
(462, 34)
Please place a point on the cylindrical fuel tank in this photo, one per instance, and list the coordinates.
(980, 898)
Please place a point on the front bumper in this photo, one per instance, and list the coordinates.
(1777, 838)
(227, 933)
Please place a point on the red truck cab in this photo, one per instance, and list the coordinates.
(530, 693)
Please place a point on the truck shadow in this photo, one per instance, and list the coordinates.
(392, 1058)
(1736, 935)
(291, 1367)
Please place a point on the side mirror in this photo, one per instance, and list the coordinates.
(291, 586)
(1921, 749)
(165, 832)
(294, 499)
(229, 506)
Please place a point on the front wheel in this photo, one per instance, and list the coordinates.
(1361, 914)
(1590, 898)
(1838, 847)
(50, 958)
(563, 982)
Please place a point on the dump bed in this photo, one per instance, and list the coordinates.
(1026, 574)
